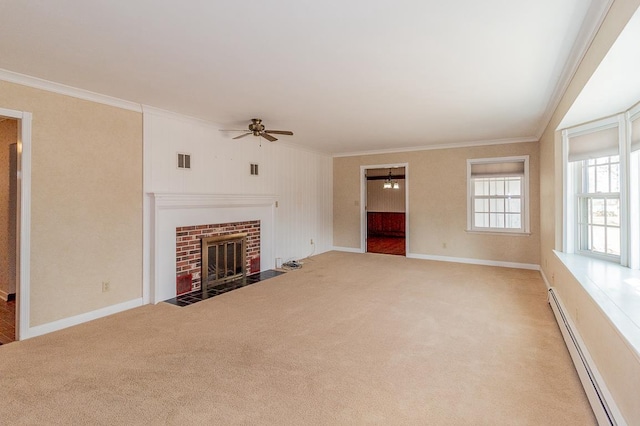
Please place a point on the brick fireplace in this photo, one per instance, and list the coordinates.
(172, 211)
(189, 249)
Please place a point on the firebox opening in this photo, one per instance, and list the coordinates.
(223, 260)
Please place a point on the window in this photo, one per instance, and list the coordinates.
(634, 195)
(498, 189)
(598, 202)
(602, 194)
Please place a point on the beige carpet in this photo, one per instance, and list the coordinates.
(349, 339)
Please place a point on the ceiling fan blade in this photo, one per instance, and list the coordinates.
(268, 137)
(280, 132)
(242, 136)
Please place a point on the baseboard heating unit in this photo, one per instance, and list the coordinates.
(602, 403)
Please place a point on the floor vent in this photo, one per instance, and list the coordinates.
(599, 397)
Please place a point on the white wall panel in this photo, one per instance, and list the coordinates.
(304, 188)
(300, 179)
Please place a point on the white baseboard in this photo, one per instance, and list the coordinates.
(347, 249)
(471, 261)
(602, 403)
(39, 330)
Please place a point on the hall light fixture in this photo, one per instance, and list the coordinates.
(387, 183)
(390, 183)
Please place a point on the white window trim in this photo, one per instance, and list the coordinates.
(629, 223)
(570, 177)
(593, 253)
(633, 200)
(578, 181)
(525, 230)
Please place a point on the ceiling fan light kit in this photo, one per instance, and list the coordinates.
(256, 128)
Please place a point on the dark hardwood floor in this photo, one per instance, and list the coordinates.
(386, 245)
(7, 321)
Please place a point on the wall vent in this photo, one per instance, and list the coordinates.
(254, 169)
(184, 160)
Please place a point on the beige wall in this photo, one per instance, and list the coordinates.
(437, 182)
(86, 201)
(617, 363)
(8, 136)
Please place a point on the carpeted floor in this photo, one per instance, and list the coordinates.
(348, 339)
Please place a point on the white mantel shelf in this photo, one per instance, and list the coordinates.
(171, 200)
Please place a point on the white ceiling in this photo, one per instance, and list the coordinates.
(345, 76)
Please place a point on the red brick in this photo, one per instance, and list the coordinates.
(189, 238)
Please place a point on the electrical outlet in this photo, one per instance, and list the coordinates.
(106, 286)
(311, 241)
(444, 245)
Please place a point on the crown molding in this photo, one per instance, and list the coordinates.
(440, 146)
(62, 89)
(159, 112)
(588, 30)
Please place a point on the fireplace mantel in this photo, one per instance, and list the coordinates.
(185, 201)
(169, 211)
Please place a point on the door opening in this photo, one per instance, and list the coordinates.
(385, 210)
(8, 223)
(21, 220)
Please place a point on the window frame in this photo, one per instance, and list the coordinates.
(524, 195)
(629, 194)
(583, 196)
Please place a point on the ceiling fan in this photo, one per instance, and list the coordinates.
(256, 128)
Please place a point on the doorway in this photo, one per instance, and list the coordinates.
(8, 221)
(385, 209)
(18, 311)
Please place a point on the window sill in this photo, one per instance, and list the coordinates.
(600, 256)
(512, 234)
(614, 288)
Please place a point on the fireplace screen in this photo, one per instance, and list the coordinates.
(223, 259)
